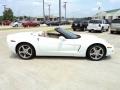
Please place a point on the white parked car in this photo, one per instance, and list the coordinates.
(98, 25)
(17, 24)
(63, 43)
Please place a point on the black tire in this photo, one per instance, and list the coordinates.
(97, 55)
(89, 30)
(74, 29)
(111, 32)
(102, 29)
(107, 29)
(16, 25)
(25, 51)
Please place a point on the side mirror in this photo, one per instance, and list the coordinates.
(62, 38)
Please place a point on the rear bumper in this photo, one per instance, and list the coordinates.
(95, 29)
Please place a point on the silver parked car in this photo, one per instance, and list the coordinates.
(115, 26)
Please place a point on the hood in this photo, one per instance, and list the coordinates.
(19, 35)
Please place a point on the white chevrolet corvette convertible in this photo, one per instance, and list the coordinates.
(62, 43)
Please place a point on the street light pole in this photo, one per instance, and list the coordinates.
(49, 10)
(65, 4)
(59, 11)
(44, 10)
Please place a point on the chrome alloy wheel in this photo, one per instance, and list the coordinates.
(25, 51)
(97, 52)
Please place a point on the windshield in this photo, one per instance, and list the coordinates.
(67, 34)
(96, 21)
(78, 21)
(116, 21)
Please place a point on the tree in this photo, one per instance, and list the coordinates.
(8, 14)
(1, 18)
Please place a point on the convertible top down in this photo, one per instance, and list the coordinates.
(62, 43)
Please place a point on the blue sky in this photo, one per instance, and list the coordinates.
(75, 8)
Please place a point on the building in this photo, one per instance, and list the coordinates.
(111, 14)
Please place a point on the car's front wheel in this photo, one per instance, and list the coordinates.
(96, 52)
(102, 29)
(25, 51)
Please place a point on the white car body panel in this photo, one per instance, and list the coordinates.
(45, 46)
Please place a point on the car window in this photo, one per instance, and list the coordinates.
(78, 20)
(96, 21)
(116, 21)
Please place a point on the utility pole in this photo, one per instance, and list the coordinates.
(65, 5)
(49, 10)
(44, 10)
(4, 7)
(59, 11)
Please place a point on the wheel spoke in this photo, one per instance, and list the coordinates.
(100, 55)
(23, 48)
(21, 52)
(92, 54)
(100, 50)
(94, 49)
(28, 48)
(24, 55)
(96, 57)
(28, 53)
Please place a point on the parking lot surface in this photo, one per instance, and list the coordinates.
(59, 73)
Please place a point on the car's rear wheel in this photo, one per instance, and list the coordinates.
(90, 30)
(25, 51)
(74, 29)
(111, 32)
(96, 52)
(107, 29)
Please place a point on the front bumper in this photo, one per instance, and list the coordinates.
(115, 30)
(110, 50)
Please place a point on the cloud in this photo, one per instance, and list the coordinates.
(114, 1)
(36, 3)
(94, 9)
(99, 3)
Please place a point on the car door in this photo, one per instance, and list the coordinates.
(48, 46)
(57, 47)
(68, 47)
